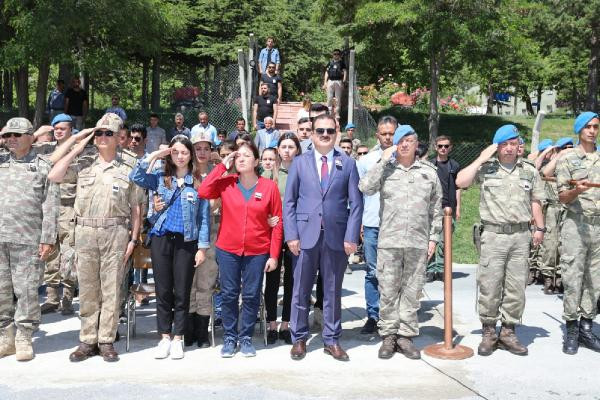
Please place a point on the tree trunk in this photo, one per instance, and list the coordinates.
(539, 97)
(8, 89)
(65, 72)
(23, 90)
(527, 100)
(573, 96)
(155, 101)
(1, 91)
(145, 73)
(41, 91)
(490, 100)
(591, 100)
(434, 116)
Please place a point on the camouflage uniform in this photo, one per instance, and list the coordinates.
(103, 203)
(579, 245)
(410, 217)
(549, 247)
(505, 210)
(29, 208)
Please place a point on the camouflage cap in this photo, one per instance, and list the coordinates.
(18, 125)
(202, 136)
(110, 121)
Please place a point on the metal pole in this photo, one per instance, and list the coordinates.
(351, 82)
(447, 350)
(241, 65)
(251, 66)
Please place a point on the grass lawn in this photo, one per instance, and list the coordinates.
(463, 249)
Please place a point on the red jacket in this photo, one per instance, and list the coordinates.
(244, 228)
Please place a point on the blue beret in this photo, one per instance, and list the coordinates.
(544, 144)
(562, 142)
(504, 133)
(401, 131)
(349, 125)
(61, 118)
(582, 120)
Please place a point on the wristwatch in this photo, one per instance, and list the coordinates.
(135, 242)
(543, 230)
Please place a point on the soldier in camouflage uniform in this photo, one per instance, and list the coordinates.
(28, 227)
(411, 221)
(511, 193)
(105, 202)
(58, 268)
(579, 245)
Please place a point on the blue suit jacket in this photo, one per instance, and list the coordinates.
(339, 208)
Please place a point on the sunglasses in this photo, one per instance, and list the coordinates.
(136, 138)
(362, 153)
(445, 146)
(104, 133)
(11, 134)
(322, 131)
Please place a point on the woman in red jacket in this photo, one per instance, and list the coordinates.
(246, 245)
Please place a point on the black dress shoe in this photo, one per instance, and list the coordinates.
(370, 327)
(272, 336)
(286, 336)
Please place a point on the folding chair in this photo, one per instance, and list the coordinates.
(141, 260)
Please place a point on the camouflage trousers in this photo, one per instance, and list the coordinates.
(205, 280)
(21, 273)
(55, 265)
(502, 276)
(100, 271)
(580, 265)
(401, 275)
(549, 248)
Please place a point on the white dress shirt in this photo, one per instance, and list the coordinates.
(319, 162)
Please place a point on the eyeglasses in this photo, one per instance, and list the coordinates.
(445, 146)
(362, 153)
(11, 134)
(104, 133)
(322, 131)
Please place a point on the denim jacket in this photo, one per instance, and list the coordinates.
(196, 211)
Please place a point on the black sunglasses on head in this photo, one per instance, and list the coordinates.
(11, 134)
(322, 131)
(104, 133)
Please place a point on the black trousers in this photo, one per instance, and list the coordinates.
(272, 287)
(173, 265)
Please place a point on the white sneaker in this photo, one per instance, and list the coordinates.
(163, 348)
(176, 349)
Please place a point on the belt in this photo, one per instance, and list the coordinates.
(592, 220)
(506, 228)
(102, 222)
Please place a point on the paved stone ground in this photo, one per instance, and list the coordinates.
(545, 374)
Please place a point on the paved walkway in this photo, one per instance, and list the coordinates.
(545, 374)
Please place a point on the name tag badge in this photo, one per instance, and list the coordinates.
(190, 197)
(268, 101)
(338, 162)
(258, 195)
(115, 188)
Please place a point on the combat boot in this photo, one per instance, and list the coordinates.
(509, 341)
(571, 342)
(489, 340)
(52, 301)
(586, 336)
(23, 345)
(202, 332)
(548, 285)
(66, 305)
(388, 347)
(7, 341)
(406, 346)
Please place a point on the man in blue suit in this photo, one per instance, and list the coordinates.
(322, 216)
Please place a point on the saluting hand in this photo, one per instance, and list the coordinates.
(84, 138)
(387, 153)
(488, 153)
(227, 161)
(161, 153)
